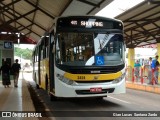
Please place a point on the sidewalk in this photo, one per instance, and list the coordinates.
(16, 99)
(143, 87)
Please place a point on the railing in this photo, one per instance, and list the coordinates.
(145, 75)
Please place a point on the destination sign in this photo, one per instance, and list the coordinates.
(87, 23)
(90, 23)
(81, 22)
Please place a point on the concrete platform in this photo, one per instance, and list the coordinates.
(16, 99)
(143, 87)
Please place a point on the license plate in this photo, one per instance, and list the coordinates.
(99, 89)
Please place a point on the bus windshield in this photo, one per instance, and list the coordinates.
(88, 49)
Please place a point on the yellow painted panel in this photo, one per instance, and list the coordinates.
(44, 69)
(42, 74)
(90, 77)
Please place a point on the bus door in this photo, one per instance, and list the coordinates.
(51, 65)
(39, 74)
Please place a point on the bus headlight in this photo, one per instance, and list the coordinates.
(65, 80)
(119, 79)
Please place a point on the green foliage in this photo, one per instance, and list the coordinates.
(24, 53)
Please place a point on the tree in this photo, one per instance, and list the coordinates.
(24, 53)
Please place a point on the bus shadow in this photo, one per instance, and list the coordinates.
(91, 102)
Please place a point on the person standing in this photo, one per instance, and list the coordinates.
(157, 72)
(15, 69)
(5, 68)
(150, 61)
(154, 66)
(137, 66)
(149, 70)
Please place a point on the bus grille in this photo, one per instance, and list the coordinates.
(98, 81)
(86, 92)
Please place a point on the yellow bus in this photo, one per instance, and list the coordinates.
(81, 56)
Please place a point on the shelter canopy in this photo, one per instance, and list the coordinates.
(142, 24)
(32, 18)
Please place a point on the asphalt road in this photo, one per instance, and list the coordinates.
(138, 104)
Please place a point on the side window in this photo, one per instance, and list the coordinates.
(38, 54)
(41, 54)
(52, 42)
(58, 52)
(52, 38)
(43, 49)
(46, 46)
(33, 56)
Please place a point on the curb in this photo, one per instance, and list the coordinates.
(144, 87)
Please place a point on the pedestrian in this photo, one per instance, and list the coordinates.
(150, 70)
(150, 61)
(5, 68)
(154, 66)
(15, 70)
(156, 72)
(137, 66)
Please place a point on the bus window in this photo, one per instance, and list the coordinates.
(73, 48)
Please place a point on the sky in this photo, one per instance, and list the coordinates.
(117, 7)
